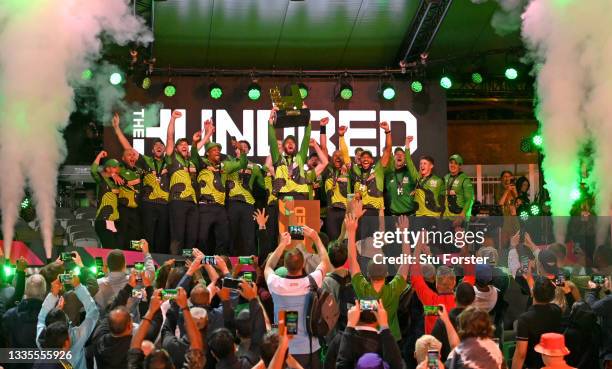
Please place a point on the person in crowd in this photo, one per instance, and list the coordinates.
(10, 295)
(290, 293)
(337, 185)
(289, 174)
(464, 298)
(522, 190)
(486, 294)
(399, 185)
(603, 309)
(194, 357)
(154, 194)
(241, 200)
(271, 208)
(19, 322)
(338, 282)
(583, 337)
(274, 350)
(375, 286)
(506, 193)
(367, 331)
(429, 189)
(57, 337)
(182, 205)
(541, 317)
(108, 191)
(51, 312)
(110, 285)
(212, 177)
(476, 348)
(423, 346)
(223, 348)
(459, 191)
(369, 182)
(552, 348)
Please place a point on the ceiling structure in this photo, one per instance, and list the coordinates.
(313, 34)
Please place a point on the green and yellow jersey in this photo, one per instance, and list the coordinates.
(182, 173)
(370, 185)
(459, 195)
(399, 185)
(428, 191)
(241, 182)
(107, 196)
(289, 170)
(269, 189)
(129, 192)
(155, 182)
(337, 188)
(212, 178)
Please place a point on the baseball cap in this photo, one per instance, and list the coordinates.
(210, 145)
(111, 163)
(549, 261)
(484, 274)
(377, 271)
(490, 253)
(457, 158)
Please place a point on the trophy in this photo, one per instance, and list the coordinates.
(290, 112)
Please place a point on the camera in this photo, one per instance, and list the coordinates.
(187, 253)
(136, 245)
(431, 310)
(231, 283)
(291, 321)
(209, 260)
(296, 232)
(245, 260)
(368, 305)
(169, 294)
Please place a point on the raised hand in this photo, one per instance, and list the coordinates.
(402, 222)
(248, 290)
(272, 118)
(285, 240)
(56, 287)
(409, 140)
(156, 301)
(384, 126)
(132, 279)
(102, 154)
(310, 233)
(312, 143)
(260, 217)
(209, 127)
(21, 264)
(358, 210)
(351, 224)
(353, 314)
(324, 121)
(381, 315)
(197, 137)
(181, 298)
(342, 130)
(115, 120)
(77, 259)
(176, 114)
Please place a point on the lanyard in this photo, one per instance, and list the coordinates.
(181, 160)
(450, 185)
(422, 181)
(400, 179)
(160, 168)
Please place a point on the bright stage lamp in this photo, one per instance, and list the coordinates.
(538, 140)
(416, 86)
(215, 91)
(254, 91)
(169, 89)
(511, 73)
(116, 78)
(477, 78)
(387, 91)
(346, 91)
(445, 82)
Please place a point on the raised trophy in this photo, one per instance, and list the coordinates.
(290, 108)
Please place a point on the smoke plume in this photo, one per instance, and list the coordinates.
(45, 47)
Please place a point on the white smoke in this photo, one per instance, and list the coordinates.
(45, 46)
(507, 18)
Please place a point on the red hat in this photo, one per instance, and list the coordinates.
(552, 344)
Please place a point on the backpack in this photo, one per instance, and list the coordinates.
(346, 298)
(321, 311)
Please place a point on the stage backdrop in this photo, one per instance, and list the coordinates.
(422, 115)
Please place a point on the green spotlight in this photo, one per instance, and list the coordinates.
(524, 215)
(26, 203)
(511, 73)
(387, 91)
(215, 91)
(8, 270)
(93, 269)
(303, 90)
(346, 91)
(116, 78)
(76, 270)
(538, 140)
(169, 89)
(87, 74)
(477, 78)
(254, 91)
(575, 194)
(535, 209)
(416, 86)
(446, 82)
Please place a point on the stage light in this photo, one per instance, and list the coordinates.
(87, 74)
(535, 209)
(215, 90)
(254, 91)
(477, 78)
(575, 194)
(511, 73)
(26, 203)
(445, 82)
(76, 270)
(524, 215)
(416, 86)
(387, 91)
(146, 83)
(169, 89)
(346, 91)
(8, 270)
(93, 269)
(526, 145)
(116, 78)
(303, 90)
(538, 140)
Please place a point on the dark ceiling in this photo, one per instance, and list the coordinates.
(311, 34)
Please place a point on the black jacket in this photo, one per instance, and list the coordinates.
(20, 323)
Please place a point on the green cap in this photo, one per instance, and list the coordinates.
(281, 272)
(111, 163)
(457, 158)
(210, 145)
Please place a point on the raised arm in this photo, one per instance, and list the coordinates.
(145, 324)
(325, 264)
(323, 158)
(323, 136)
(412, 170)
(234, 165)
(274, 153)
(209, 130)
(387, 150)
(346, 158)
(351, 223)
(119, 133)
(305, 143)
(170, 134)
(403, 224)
(285, 240)
(195, 339)
(96, 164)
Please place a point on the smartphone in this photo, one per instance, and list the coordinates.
(245, 260)
(99, 267)
(432, 359)
(350, 196)
(139, 266)
(209, 260)
(247, 276)
(179, 263)
(291, 321)
(560, 280)
(598, 279)
(524, 264)
(65, 278)
(368, 305)
(169, 294)
(296, 232)
(231, 283)
(187, 253)
(137, 293)
(431, 309)
(66, 256)
(136, 245)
